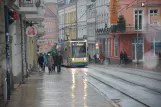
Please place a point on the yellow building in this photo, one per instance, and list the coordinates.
(70, 22)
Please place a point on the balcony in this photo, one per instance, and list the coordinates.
(28, 6)
(128, 28)
(34, 17)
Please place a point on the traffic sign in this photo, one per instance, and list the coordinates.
(31, 31)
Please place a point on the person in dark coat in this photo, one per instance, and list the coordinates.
(59, 60)
(49, 62)
(40, 61)
(54, 59)
(121, 57)
(125, 57)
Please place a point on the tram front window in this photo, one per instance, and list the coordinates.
(78, 51)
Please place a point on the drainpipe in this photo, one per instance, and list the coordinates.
(6, 10)
(22, 64)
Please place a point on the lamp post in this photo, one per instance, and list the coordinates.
(76, 21)
(137, 60)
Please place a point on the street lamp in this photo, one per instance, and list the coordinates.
(137, 60)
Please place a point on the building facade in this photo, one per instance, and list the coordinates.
(103, 25)
(142, 32)
(67, 20)
(47, 40)
(91, 26)
(20, 56)
(2, 48)
(81, 19)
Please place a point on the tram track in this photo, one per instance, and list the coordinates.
(112, 101)
(130, 82)
(120, 91)
(122, 70)
(102, 81)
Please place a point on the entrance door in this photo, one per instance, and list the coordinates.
(137, 49)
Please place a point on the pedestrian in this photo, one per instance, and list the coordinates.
(40, 61)
(49, 62)
(121, 57)
(125, 57)
(95, 58)
(89, 58)
(45, 61)
(59, 61)
(54, 54)
(101, 57)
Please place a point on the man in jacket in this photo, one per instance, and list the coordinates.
(54, 59)
(121, 57)
(49, 62)
(59, 60)
(40, 61)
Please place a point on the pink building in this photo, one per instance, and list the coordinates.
(148, 20)
(51, 27)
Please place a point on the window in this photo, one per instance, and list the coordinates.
(116, 47)
(156, 45)
(153, 12)
(138, 19)
(78, 50)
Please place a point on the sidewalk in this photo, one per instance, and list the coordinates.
(139, 66)
(56, 90)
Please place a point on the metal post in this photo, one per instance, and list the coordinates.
(25, 43)
(95, 28)
(22, 64)
(137, 35)
(7, 51)
(76, 21)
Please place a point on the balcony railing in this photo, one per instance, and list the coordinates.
(128, 28)
(29, 3)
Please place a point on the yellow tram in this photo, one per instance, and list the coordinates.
(74, 53)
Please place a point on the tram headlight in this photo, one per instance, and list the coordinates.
(73, 59)
(85, 59)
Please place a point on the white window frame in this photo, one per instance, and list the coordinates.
(135, 9)
(117, 47)
(149, 16)
(154, 41)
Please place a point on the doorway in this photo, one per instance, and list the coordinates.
(137, 49)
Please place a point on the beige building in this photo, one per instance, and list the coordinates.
(50, 22)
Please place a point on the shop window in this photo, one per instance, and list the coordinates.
(156, 45)
(116, 47)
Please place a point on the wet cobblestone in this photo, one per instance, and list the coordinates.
(56, 90)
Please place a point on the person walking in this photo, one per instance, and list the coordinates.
(59, 60)
(125, 57)
(40, 62)
(121, 57)
(49, 62)
(54, 54)
(101, 57)
(45, 61)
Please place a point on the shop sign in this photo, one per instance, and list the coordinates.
(113, 11)
(31, 31)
